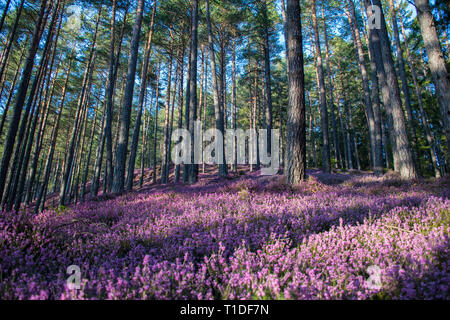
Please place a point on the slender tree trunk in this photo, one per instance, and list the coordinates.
(217, 103)
(437, 65)
(180, 105)
(145, 131)
(376, 161)
(331, 88)
(142, 94)
(322, 93)
(121, 152)
(110, 101)
(234, 106)
(155, 133)
(165, 151)
(6, 52)
(5, 12)
(407, 97)
(193, 168)
(296, 125)
(423, 115)
(204, 108)
(267, 78)
(11, 93)
(256, 122)
(50, 91)
(48, 165)
(403, 160)
(88, 160)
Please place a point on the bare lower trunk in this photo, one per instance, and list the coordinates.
(322, 93)
(296, 126)
(437, 65)
(403, 160)
(121, 152)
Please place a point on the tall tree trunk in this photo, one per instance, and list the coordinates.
(112, 76)
(256, 122)
(5, 12)
(217, 103)
(423, 115)
(322, 93)
(403, 160)
(267, 78)
(6, 52)
(193, 168)
(121, 152)
(180, 105)
(155, 132)
(296, 125)
(337, 152)
(407, 97)
(375, 154)
(165, 151)
(109, 103)
(88, 160)
(186, 168)
(204, 107)
(50, 91)
(145, 133)
(142, 94)
(234, 106)
(437, 65)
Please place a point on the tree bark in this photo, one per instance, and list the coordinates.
(142, 94)
(322, 93)
(403, 160)
(193, 168)
(376, 165)
(436, 62)
(296, 125)
(405, 89)
(121, 152)
(337, 152)
(217, 103)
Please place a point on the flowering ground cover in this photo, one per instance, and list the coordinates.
(247, 237)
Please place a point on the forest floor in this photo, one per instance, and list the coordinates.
(244, 237)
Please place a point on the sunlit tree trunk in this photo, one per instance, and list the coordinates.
(436, 62)
(155, 132)
(405, 89)
(423, 115)
(193, 168)
(403, 160)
